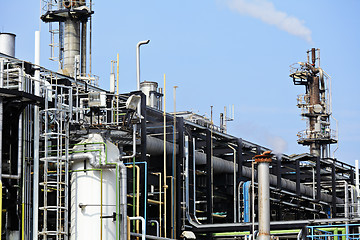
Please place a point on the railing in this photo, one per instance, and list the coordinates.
(333, 232)
(326, 134)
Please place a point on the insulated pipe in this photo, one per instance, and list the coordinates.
(36, 141)
(155, 147)
(143, 233)
(263, 162)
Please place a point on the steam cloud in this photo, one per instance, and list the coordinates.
(266, 12)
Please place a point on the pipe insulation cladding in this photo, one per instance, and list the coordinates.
(155, 147)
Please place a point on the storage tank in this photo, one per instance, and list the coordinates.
(152, 95)
(92, 213)
(7, 44)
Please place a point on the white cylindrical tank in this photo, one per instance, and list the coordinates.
(86, 201)
(150, 90)
(86, 189)
(7, 44)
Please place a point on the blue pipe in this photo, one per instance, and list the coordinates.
(145, 198)
(246, 194)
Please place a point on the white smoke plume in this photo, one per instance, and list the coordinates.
(266, 12)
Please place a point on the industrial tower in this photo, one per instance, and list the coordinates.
(315, 104)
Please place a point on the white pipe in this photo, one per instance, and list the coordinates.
(143, 233)
(299, 234)
(138, 62)
(36, 141)
(264, 201)
(138, 71)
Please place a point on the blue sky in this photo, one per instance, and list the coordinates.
(223, 52)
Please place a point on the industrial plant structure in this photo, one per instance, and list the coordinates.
(81, 162)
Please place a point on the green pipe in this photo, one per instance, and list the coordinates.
(248, 232)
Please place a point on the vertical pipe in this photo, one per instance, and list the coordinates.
(209, 197)
(90, 36)
(0, 207)
(83, 48)
(357, 184)
(173, 205)
(253, 197)
(333, 186)
(1, 117)
(234, 182)
(117, 74)
(264, 203)
(165, 186)
(240, 159)
(297, 167)
(346, 210)
(263, 195)
(194, 178)
(123, 200)
(318, 178)
(180, 157)
(138, 62)
(36, 141)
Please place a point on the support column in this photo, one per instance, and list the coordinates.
(179, 166)
(209, 177)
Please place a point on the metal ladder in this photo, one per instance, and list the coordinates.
(54, 186)
(56, 30)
